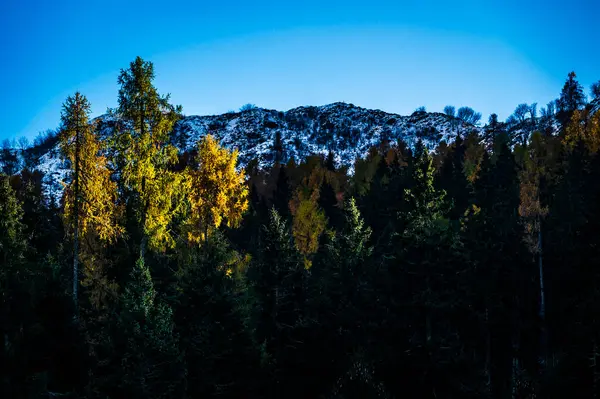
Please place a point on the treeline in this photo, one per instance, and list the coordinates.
(465, 272)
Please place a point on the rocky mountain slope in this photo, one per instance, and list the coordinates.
(349, 131)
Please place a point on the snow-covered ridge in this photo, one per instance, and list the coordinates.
(349, 131)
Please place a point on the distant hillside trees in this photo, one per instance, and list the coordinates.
(248, 107)
(468, 115)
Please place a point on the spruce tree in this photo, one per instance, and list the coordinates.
(211, 313)
(571, 99)
(145, 361)
(12, 262)
(329, 203)
(278, 151)
(503, 269)
(330, 161)
(277, 278)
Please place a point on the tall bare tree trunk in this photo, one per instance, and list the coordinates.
(144, 241)
(76, 210)
(488, 355)
(516, 349)
(594, 365)
(542, 311)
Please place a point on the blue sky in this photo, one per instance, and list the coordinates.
(215, 56)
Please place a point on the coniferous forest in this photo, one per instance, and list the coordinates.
(468, 270)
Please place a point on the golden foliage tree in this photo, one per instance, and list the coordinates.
(473, 154)
(308, 225)
(145, 155)
(584, 127)
(217, 192)
(90, 196)
(534, 168)
(309, 220)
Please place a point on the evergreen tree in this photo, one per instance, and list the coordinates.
(282, 194)
(40, 348)
(452, 179)
(328, 202)
(12, 262)
(144, 355)
(211, 313)
(424, 276)
(278, 153)
(502, 270)
(277, 282)
(9, 159)
(571, 99)
(330, 161)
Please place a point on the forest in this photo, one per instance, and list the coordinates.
(462, 271)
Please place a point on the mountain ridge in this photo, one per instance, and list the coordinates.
(346, 129)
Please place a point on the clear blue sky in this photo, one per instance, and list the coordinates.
(214, 56)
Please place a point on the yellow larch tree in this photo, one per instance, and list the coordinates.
(217, 192)
(308, 224)
(309, 220)
(535, 160)
(585, 127)
(145, 157)
(90, 195)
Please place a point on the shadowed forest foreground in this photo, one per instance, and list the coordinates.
(468, 271)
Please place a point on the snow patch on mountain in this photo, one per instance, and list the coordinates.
(55, 173)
